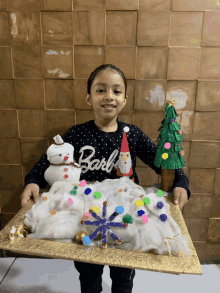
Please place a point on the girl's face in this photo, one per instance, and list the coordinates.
(107, 88)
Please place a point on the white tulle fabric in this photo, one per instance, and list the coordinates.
(137, 236)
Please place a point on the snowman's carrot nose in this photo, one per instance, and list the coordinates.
(66, 158)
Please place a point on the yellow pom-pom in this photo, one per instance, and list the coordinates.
(139, 203)
(95, 209)
(165, 156)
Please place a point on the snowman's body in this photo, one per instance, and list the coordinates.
(66, 173)
(60, 156)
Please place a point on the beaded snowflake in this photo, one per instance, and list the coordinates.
(103, 226)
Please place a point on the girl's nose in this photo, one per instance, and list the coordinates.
(66, 158)
(109, 95)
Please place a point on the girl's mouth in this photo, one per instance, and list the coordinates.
(108, 107)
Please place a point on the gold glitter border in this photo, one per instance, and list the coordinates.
(106, 256)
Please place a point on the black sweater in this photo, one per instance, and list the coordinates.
(97, 153)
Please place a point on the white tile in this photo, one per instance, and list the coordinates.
(5, 263)
(45, 276)
(55, 275)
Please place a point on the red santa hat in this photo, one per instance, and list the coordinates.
(124, 144)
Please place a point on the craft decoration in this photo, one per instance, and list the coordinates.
(103, 226)
(62, 165)
(169, 155)
(125, 164)
(57, 214)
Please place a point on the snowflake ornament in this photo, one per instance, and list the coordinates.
(103, 226)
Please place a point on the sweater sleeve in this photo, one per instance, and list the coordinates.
(36, 174)
(146, 151)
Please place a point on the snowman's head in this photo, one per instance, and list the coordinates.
(60, 152)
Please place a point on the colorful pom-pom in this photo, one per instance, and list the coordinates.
(140, 213)
(160, 205)
(119, 210)
(86, 217)
(139, 203)
(88, 191)
(120, 190)
(70, 201)
(159, 192)
(75, 187)
(163, 217)
(146, 201)
(128, 219)
(97, 194)
(83, 183)
(86, 240)
(74, 192)
(144, 219)
(95, 209)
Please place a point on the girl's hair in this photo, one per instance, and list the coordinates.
(100, 68)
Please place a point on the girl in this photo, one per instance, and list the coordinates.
(97, 145)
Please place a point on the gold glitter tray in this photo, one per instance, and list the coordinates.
(104, 256)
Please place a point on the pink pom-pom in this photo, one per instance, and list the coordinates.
(83, 183)
(70, 201)
(144, 219)
(86, 216)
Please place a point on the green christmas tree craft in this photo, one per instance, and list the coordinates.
(170, 153)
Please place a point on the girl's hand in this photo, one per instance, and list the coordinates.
(180, 197)
(30, 189)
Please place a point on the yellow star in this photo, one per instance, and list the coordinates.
(172, 102)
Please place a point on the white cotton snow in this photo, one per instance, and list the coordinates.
(65, 223)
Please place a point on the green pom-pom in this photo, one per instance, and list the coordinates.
(128, 219)
(97, 194)
(75, 187)
(146, 200)
(160, 192)
(74, 192)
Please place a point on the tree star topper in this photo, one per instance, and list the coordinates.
(172, 102)
(103, 226)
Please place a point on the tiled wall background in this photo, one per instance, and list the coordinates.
(49, 48)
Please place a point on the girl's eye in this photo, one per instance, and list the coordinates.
(117, 92)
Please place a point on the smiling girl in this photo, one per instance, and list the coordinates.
(97, 145)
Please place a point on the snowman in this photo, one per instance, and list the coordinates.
(62, 166)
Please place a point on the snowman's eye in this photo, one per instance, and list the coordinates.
(67, 154)
(60, 155)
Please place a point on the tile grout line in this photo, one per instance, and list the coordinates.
(8, 270)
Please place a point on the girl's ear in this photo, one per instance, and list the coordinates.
(88, 100)
(125, 101)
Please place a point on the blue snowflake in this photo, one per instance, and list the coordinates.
(103, 226)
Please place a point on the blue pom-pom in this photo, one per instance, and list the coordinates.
(88, 191)
(163, 217)
(86, 240)
(160, 205)
(140, 213)
(119, 210)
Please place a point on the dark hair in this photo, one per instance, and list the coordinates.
(100, 68)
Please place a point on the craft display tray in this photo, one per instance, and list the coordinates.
(104, 256)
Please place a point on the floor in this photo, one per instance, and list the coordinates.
(55, 275)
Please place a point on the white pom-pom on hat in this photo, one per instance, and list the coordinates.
(126, 129)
